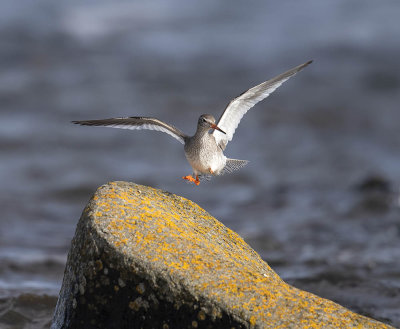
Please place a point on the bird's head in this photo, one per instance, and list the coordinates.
(207, 121)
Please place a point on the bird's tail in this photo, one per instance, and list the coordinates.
(233, 165)
(230, 166)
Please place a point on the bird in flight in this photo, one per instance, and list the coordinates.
(204, 150)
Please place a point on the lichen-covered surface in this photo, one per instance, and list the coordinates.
(144, 258)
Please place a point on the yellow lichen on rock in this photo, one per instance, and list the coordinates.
(203, 264)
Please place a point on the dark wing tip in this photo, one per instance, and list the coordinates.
(298, 68)
(302, 66)
(82, 123)
(88, 123)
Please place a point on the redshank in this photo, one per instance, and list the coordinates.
(204, 150)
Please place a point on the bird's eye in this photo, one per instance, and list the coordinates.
(203, 119)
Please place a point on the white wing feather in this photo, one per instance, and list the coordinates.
(137, 123)
(238, 107)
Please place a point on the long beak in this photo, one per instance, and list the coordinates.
(219, 129)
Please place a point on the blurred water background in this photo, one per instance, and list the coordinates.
(320, 198)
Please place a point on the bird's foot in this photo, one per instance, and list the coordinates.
(211, 171)
(191, 179)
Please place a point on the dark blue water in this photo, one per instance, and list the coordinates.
(320, 197)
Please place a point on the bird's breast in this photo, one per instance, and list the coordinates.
(204, 154)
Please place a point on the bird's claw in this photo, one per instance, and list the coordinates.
(191, 179)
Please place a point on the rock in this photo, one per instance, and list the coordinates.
(374, 182)
(375, 194)
(145, 258)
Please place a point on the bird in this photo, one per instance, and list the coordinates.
(205, 149)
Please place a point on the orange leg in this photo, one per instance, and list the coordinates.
(191, 179)
(210, 170)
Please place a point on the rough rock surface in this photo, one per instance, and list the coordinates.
(145, 258)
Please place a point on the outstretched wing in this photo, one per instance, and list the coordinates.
(137, 123)
(238, 107)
